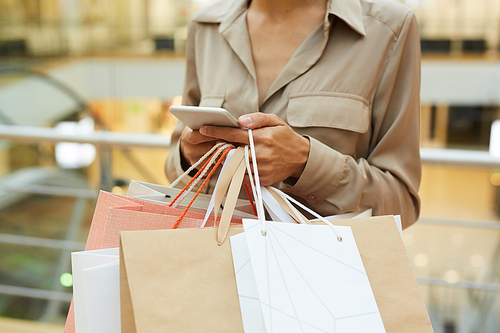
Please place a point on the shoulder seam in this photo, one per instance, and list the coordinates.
(384, 23)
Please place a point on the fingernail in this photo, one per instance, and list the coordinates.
(245, 120)
(203, 130)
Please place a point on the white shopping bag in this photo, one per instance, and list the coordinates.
(96, 291)
(303, 280)
(300, 277)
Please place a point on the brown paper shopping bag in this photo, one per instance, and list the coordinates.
(178, 281)
(390, 273)
(182, 281)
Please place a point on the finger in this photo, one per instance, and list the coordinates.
(195, 137)
(258, 120)
(194, 155)
(228, 134)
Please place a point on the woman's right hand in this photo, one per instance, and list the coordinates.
(194, 145)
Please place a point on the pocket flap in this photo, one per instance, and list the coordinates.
(325, 109)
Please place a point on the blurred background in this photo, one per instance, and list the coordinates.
(76, 75)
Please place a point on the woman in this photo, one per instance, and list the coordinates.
(331, 89)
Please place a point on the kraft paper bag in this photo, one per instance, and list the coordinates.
(178, 281)
(182, 281)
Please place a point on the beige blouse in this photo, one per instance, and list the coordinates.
(352, 87)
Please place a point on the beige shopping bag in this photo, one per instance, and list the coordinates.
(182, 281)
(178, 282)
(390, 273)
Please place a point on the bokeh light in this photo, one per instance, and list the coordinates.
(66, 280)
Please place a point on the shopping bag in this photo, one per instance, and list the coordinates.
(178, 281)
(301, 275)
(115, 213)
(178, 300)
(294, 261)
(306, 279)
(96, 292)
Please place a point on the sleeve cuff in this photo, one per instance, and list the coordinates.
(322, 174)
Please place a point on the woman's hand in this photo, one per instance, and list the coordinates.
(281, 153)
(194, 145)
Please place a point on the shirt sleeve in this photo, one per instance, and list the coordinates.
(387, 180)
(191, 96)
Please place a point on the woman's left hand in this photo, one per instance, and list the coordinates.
(281, 153)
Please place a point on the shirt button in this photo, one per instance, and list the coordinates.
(311, 197)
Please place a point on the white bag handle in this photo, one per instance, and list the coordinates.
(258, 198)
(195, 165)
(288, 199)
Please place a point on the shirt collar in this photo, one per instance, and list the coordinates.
(349, 11)
(226, 12)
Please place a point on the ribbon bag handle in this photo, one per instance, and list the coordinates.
(231, 177)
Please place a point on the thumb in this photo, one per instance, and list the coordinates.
(258, 120)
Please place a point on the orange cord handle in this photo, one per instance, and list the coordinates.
(192, 179)
(250, 199)
(201, 187)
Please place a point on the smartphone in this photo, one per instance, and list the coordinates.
(196, 116)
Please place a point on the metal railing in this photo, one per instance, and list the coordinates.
(30, 134)
(454, 157)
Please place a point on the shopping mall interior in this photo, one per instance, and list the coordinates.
(85, 87)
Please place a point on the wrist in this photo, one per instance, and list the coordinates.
(302, 154)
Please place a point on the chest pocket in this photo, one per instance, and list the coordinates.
(213, 101)
(327, 109)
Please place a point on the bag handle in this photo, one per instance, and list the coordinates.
(214, 152)
(236, 179)
(224, 154)
(288, 199)
(231, 198)
(195, 165)
(231, 177)
(288, 209)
